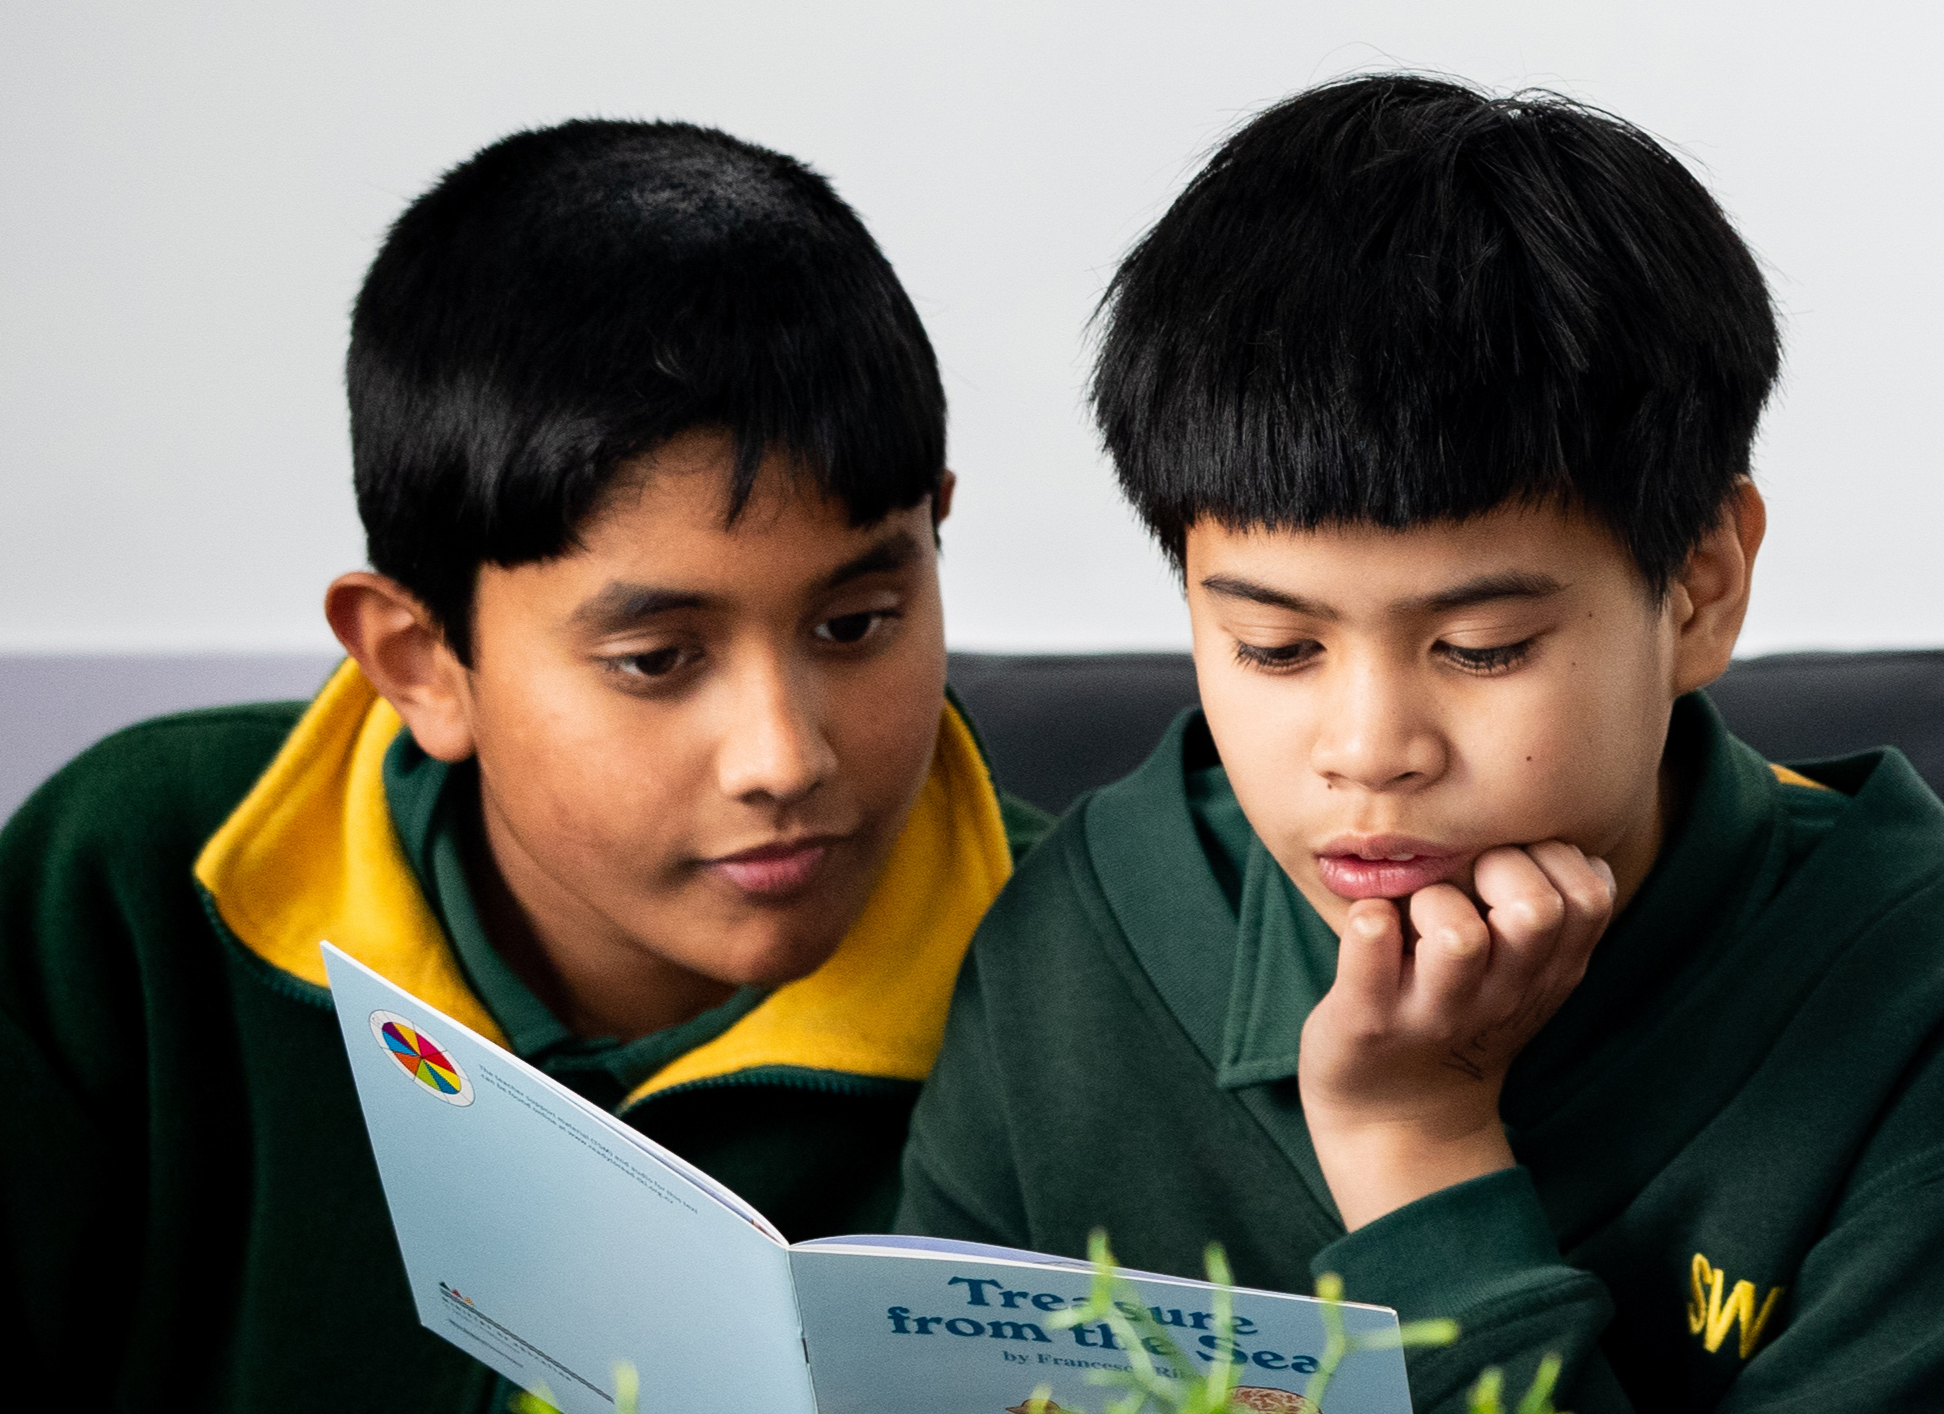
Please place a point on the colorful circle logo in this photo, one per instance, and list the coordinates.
(420, 1057)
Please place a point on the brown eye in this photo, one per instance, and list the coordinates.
(1276, 656)
(657, 664)
(1486, 661)
(851, 628)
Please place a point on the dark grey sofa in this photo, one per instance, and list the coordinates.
(1056, 724)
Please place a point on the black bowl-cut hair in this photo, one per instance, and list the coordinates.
(569, 299)
(1395, 300)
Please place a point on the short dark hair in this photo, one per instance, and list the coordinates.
(569, 299)
(1394, 300)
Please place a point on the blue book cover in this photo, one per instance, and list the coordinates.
(553, 1242)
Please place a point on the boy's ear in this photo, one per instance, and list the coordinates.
(404, 652)
(1709, 597)
(942, 497)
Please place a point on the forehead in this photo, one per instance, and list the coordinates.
(680, 516)
(1367, 566)
(678, 498)
(674, 511)
(663, 538)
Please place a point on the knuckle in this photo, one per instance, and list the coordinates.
(1591, 899)
(1369, 1031)
(1464, 938)
(1535, 912)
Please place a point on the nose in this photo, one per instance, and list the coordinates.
(1375, 734)
(773, 747)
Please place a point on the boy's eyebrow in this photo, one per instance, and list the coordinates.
(1508, 584)
(621, 605)
(1231, 586)
(893, 552)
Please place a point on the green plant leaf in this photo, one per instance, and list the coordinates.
(1484, 1397)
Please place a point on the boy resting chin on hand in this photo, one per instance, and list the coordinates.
(1453, 945)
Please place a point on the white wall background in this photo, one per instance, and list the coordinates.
(189, 194)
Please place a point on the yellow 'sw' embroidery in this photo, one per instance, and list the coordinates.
(1709, 1316)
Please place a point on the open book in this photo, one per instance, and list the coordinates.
(552, 1241)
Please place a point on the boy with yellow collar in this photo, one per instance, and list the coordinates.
(642, 764)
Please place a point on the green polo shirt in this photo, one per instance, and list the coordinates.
(190, 1216)
(436, 809)
(1730, 1192)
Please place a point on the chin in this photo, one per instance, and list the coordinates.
(773, 961)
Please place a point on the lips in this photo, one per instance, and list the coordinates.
(773, 870)
(1385, 866)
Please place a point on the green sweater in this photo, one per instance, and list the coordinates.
(1731, 1138)
(190, 1216)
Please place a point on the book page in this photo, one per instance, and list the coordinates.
(550, 1240)
(881, 1242)
(922, 1326)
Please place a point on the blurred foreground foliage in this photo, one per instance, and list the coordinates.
(1155, 1382)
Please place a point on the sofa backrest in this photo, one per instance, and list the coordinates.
(1056, 724)
(1060, 724)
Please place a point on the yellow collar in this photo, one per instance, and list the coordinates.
(311, 853)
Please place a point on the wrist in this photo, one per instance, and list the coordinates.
(1376, 1168)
